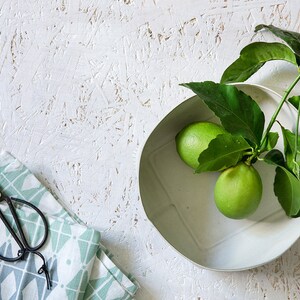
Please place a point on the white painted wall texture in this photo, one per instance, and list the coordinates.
(83, 82)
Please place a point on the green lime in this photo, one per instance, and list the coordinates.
(194, 138)
(238, 191)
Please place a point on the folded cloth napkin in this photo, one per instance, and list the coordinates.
(79, 266)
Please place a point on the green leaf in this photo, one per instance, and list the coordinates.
(224, 151)
(271, 141)
(294, 101)
(290, 37)
(238, 112)
(289, 139)
(287, 190)
(286, 185)
(253, 57)
(275, 157)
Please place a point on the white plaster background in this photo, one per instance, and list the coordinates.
(83, 82)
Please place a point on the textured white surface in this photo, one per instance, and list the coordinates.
(82, 84)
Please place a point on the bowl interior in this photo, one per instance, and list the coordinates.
(181, 206)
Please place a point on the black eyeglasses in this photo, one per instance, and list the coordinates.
(20, 238)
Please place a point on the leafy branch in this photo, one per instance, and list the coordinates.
(242, 117)
(283, 100)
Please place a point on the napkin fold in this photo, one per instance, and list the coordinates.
(79, 265)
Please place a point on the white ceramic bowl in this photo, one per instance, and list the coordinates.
(180, 204)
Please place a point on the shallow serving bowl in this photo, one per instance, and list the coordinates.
(180, 204)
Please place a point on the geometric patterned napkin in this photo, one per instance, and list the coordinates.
(79, 266)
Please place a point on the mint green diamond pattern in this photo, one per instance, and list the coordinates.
(60, 235)
(80, 280)
(88, 244)
(132, 289)
(89, 290)
(15, 181)
(87, 252)
(72, 294)
(116, 273)
(90, 235)
(99, 287)
(63, 214)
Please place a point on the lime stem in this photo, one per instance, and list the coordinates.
(249, 160)
(283, 99)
